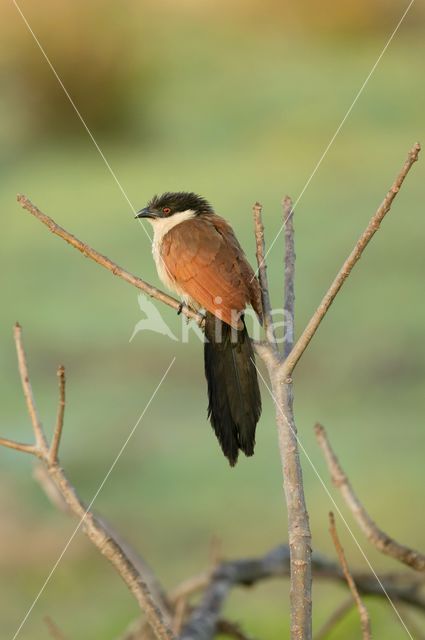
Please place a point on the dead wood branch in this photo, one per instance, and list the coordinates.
(382, 541)
(282, 394)
(87, 251)
(262, 275)
(53, 454)
(289, 276)
(281, 390)
(373, 226)
(363, 613)
(91, 525)
(276, 564)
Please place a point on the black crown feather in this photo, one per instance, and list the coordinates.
(181, 201)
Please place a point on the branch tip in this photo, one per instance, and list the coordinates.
(381, 540)
(304, 340)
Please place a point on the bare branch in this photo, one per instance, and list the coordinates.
(373, 226)
(54, 447)
(262, 274)
(282, 393)
(180, 612)
(26, 385)
(382, 541)
(247, 572)
(92, 526)
(202, 623)
(364, 616)
(289, 279)
(19, 446)
(105, 262)
(335, 617)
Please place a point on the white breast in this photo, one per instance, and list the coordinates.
(161, 226)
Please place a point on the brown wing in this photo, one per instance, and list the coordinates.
(205, 259)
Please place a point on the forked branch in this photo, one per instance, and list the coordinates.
(373, 226)
(92, 526)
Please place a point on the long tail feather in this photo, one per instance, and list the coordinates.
(234, 396)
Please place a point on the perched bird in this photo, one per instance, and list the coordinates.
(198, 256)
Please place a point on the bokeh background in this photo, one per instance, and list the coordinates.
(236, 100)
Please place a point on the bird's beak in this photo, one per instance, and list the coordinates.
(146, 213)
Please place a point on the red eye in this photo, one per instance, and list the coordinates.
(166, 210)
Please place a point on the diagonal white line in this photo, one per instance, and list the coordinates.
(341, 124)
(331, 498)
(74, 106)
(77, 528)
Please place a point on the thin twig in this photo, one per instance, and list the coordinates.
(87, 251)
(382, 541)
(262, 275)
(54, 447)
(180, 611)
(363, 613)
(40, 438)
(373, 226)
(289, 279)
(335, 617)
(19, 446)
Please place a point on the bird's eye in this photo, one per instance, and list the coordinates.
(166, 210)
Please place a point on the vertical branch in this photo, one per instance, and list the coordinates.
(289, 292)
(281, 392)
(262, 275)
(298, 523)
(54, 447)
(26, 386)
(364, 616)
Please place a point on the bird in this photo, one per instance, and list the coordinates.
(198, 256)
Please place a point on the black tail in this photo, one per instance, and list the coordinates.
(234, 397)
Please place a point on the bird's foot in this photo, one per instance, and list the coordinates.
(180, 308)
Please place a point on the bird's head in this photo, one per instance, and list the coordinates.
(171, 203)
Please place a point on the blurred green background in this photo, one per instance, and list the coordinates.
(237, 101)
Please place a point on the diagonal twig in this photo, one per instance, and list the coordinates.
(363, 613)
(91, 253)
(19, 446)
(373, 226)
(382, 541)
